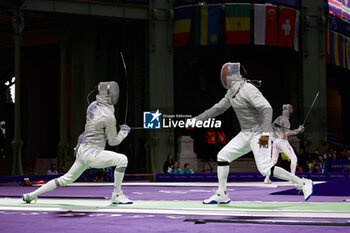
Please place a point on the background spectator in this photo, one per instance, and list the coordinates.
(176, 169)
(321, 165)
(63, 170)
(187, 169)
(302, 160)
(168, 164)
(52, 170)
(298, 169)
(210, 140)
(221, 139)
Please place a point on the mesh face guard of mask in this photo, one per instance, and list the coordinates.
(287, 108)
(230, 72)
(109, 91)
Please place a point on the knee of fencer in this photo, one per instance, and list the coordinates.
(123, 161)
(220, 157)
(64, 180)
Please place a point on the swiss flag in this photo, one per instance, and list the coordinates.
(286, 27)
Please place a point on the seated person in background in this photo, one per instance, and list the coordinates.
(187, 169)
(63, 170)
(176, 169)
(52, 170)
(168, 164)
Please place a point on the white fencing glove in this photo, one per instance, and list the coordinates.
(300, 129)
(124, 130)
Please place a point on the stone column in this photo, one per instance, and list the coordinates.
(314, 72)
(161, 80)
(17, 142)
(63, 144)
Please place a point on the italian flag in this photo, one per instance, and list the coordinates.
(265, 24)
(238, 23)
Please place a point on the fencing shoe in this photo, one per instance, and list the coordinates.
(27, 198)
(120, 198)
(267, 180)
(218, 198)
(307, 187)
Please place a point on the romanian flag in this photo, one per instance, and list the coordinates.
(238, 23)
(207, 21)
(182, 25)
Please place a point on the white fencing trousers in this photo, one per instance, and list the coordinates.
(243, 143)
(283, 145)
(92, 157)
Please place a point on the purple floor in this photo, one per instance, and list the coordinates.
(33, 221)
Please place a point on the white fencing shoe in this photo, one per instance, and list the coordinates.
(218, 198)
(307, 187)
(120, 198)
(27, 198)
(267, 180)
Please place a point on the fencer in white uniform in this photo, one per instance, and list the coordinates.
(255, 115)
(281, 132)
(90, 152)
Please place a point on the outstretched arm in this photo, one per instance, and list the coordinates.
(216, 110)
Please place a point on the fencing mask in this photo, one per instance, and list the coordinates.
(109, 91)
(230, 73)
(287, 109)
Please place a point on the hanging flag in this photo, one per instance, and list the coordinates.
(182, 25)
(296, 30)
(238, 23)
(286, 27)
(348, 53)
(335, 48)
(207, 22)
(328, 44)
(265, 24)
(342, 51)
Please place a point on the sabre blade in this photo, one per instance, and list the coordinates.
(126, 84)
(312, 105)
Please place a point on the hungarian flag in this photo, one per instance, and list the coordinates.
(238, 23)
(286, 27)
(182, 25)
(207, 22)
(265, 24)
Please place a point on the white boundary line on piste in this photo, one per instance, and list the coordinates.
(184, 211)
(188, 184)
(193, 211)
